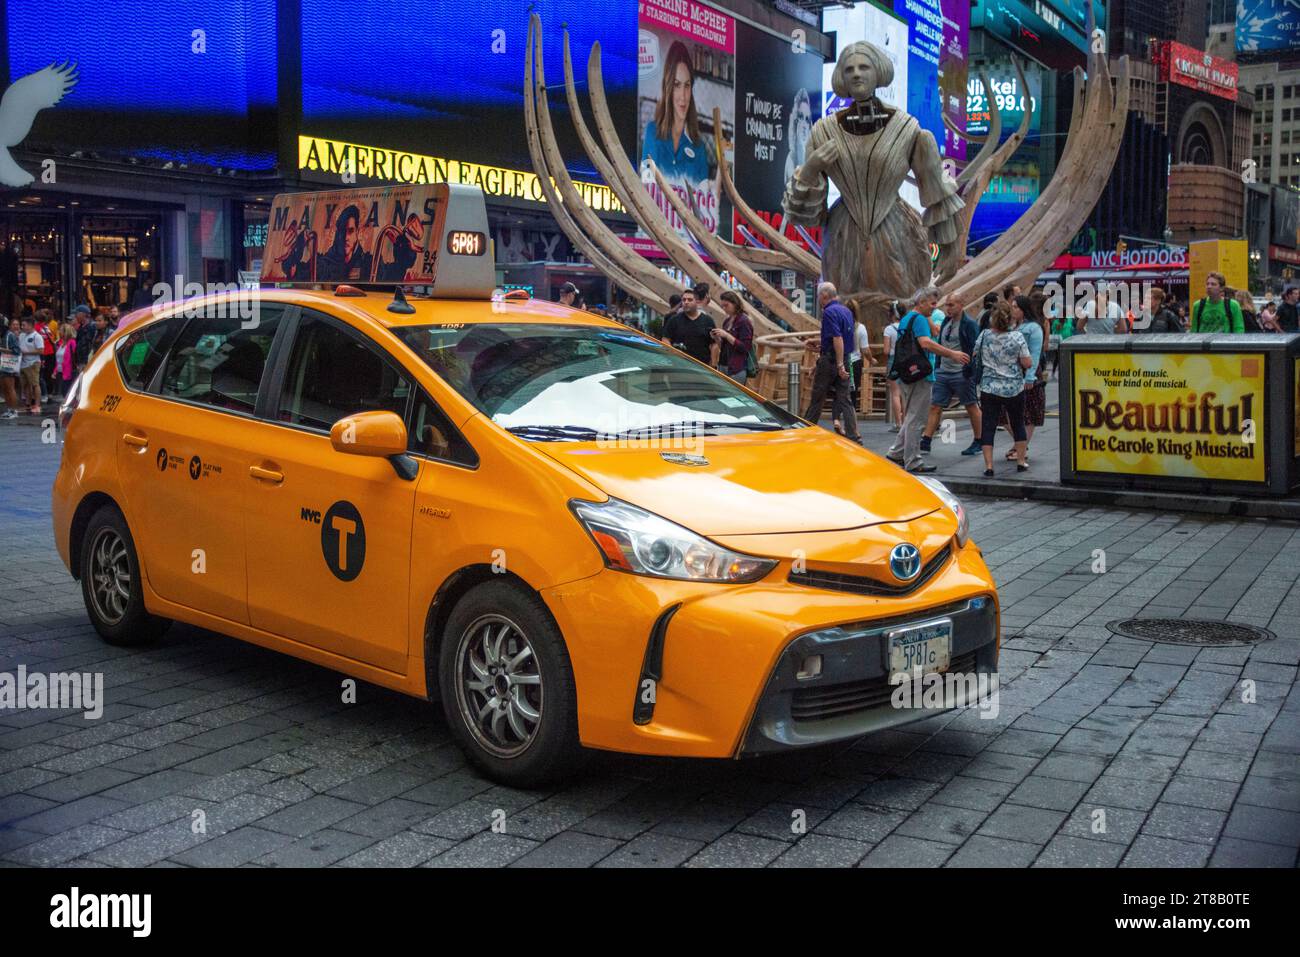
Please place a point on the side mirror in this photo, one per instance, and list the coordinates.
(369, 433)
(377, 433)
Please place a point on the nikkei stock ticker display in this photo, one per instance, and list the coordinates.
(1189, 415)
(196, 85)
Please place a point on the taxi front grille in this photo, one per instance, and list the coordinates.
(860, 585)
(833, 701)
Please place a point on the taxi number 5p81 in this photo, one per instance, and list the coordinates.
(920, 649)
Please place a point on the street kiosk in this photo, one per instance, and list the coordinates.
(1209, 413)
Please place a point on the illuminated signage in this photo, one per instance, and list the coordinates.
(255, 235)
(335, 160)
(1194, 68)
(382, 235)
(1007, 97)
(1267, 25)
(1170, 414)
(463, 243)
(1053, 33)
(1162, 256)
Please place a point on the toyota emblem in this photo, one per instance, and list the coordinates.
(905, 561)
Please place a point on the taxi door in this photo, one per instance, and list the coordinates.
(183, 455)
(329, 534)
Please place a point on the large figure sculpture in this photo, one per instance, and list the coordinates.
(876, 245)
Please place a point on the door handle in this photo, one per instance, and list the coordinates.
(136, 439)
(266, 475)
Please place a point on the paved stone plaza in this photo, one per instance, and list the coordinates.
(1153, 742)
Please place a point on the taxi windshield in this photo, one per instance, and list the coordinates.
(555, 383)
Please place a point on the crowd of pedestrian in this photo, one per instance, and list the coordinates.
(42, 356)
(939, 357)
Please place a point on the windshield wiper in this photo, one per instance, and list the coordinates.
(695, 428)
(554, 433)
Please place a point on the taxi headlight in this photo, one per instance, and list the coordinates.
(954, 505)
(634, 540)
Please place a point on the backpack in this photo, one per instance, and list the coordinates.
(977, 359)
(1230, 306)
(911, 364)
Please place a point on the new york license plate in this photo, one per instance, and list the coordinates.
(920, 649)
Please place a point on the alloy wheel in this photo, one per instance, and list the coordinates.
(499, 685)
(110, 576)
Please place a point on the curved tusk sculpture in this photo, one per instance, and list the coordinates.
(1028, 247)
(769, 297)
(990, 142)
(986, 170)
(642, 207)
(962, 134)
(583, 226)
(1090, 121)
(804, 261)
(1001, 255)
(565, 211)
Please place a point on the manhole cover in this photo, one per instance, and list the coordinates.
(1185, 631)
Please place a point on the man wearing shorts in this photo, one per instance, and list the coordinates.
(953, 380)
(32, 346)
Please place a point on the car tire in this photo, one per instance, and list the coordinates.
(111, 583)
(501, 661)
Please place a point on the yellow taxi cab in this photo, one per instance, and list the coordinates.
(572, 535)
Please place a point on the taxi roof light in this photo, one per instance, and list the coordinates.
(434, 235)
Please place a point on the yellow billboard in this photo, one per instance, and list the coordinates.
(1228, 256)
(343, 162)
(1187, 415)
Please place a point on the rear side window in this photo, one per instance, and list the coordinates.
(141, 353)
(216, 362)
(332, 374)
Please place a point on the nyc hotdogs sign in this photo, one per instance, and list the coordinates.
(1198, 416)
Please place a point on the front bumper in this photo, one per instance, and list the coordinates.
(852, 695)
(715, 659)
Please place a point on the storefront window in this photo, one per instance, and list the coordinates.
(31, 264)
(119, 256)
(253, 244)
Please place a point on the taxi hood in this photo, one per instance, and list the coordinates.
(758, 483)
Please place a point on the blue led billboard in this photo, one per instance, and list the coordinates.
(1267, 25)
(194, 83)
(446, 78)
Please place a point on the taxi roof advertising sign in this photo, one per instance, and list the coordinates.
(416, 235)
